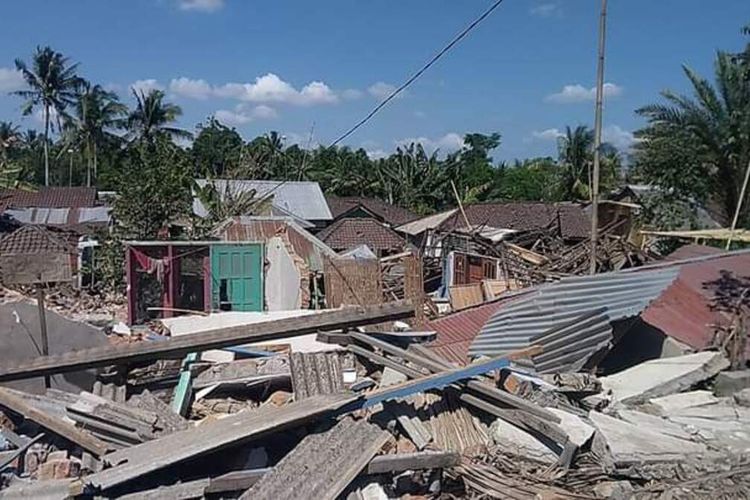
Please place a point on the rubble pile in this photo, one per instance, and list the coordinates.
(351, 414)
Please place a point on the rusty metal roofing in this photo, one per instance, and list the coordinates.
(345, 234)
(261, 229)
(82, 216)
(49, 197)
(456, 331)
(689, 309)
(553, 305)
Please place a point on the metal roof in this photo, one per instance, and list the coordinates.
(301, 199)
(62, 216)
(553, 305)
(430, 222)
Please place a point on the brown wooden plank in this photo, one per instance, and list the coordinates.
(212, 339)
(60, 427)
(413, 461)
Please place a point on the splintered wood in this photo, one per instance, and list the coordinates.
(353, 282)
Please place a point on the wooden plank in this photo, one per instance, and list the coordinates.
(184, 389)
(473, 385)
(413, 461)
(239, 480)
(60, 427)
(13, 454)
(383, 361)
(137, 461)
(213, 339)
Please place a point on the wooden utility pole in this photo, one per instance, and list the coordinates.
(739, 206)
(597, 138)
(43, 328)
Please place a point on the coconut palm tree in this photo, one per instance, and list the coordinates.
(575, 150)
(95, 114)
(9, 137)
(152, 116)
(52, 85)
(714, 123)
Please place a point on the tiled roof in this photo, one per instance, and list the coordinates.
(35, 240)
(569, 218)
(49, 197)
(386, 212)
(349, 233)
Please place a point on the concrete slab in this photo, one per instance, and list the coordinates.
(21, 339)
(666, 405)
(661, 377)
(631, 443)
(514, 441)
(654, 423)
(727, 383)
(578, 431)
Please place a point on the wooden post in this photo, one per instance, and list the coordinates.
(43, 328)
(739, 207)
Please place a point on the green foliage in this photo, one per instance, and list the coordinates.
(153, 189)
(699, 145)
(152, 117)
(217, 149)
(535, 179)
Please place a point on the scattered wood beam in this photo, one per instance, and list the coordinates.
(413, 461)
(212, 339)
(55, 425)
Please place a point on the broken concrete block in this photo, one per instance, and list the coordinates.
(727, 383)
(614, 490)
(391, 377)
(742, 398)
(661, 377)
(667, 405)
(629, 443)
(514, 441)
(57, 455)
(654, 423)
(578, 431)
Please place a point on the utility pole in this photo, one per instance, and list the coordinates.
(597, 138)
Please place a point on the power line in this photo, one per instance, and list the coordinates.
(421, 71)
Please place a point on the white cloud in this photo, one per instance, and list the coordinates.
(351, 94)
(381, 90)
(146, 86)
(546, 10)
(620, 138)
(376, 154)
(201, 5)
(579, 93)
(195, 89)
(550, 134)
(242, 114)
(271, 88)
(446, 144)
(11, 80)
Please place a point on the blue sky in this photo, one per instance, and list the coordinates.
(526, 72)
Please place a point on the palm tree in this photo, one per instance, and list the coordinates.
(714, 123)
(575, 150)
(152, 116)
(52, 84)
(95, 114)
(9, 137)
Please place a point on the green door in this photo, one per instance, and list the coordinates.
(237, 277)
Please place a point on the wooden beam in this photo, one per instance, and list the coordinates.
(177, 347)
(413, 461)
(239, 480)
(70, 432)
(383, 361)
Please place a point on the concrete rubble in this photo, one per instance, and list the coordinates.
(334, 404)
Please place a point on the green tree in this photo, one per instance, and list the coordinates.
(216, 149)
(535, 179)
(153, 188)
(699, 146)
(10, 138)
(575, 151)
(410, 178)
(52, 85)
(152, 117)
(471, 168)
(96, 114)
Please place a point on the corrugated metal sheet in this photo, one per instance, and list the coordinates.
(430, 222)
(261, 229)
(302, 199)
(456, 331)
(61, 216)
(553, 305)
(569, 347)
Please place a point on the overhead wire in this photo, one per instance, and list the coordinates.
(420, 72)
